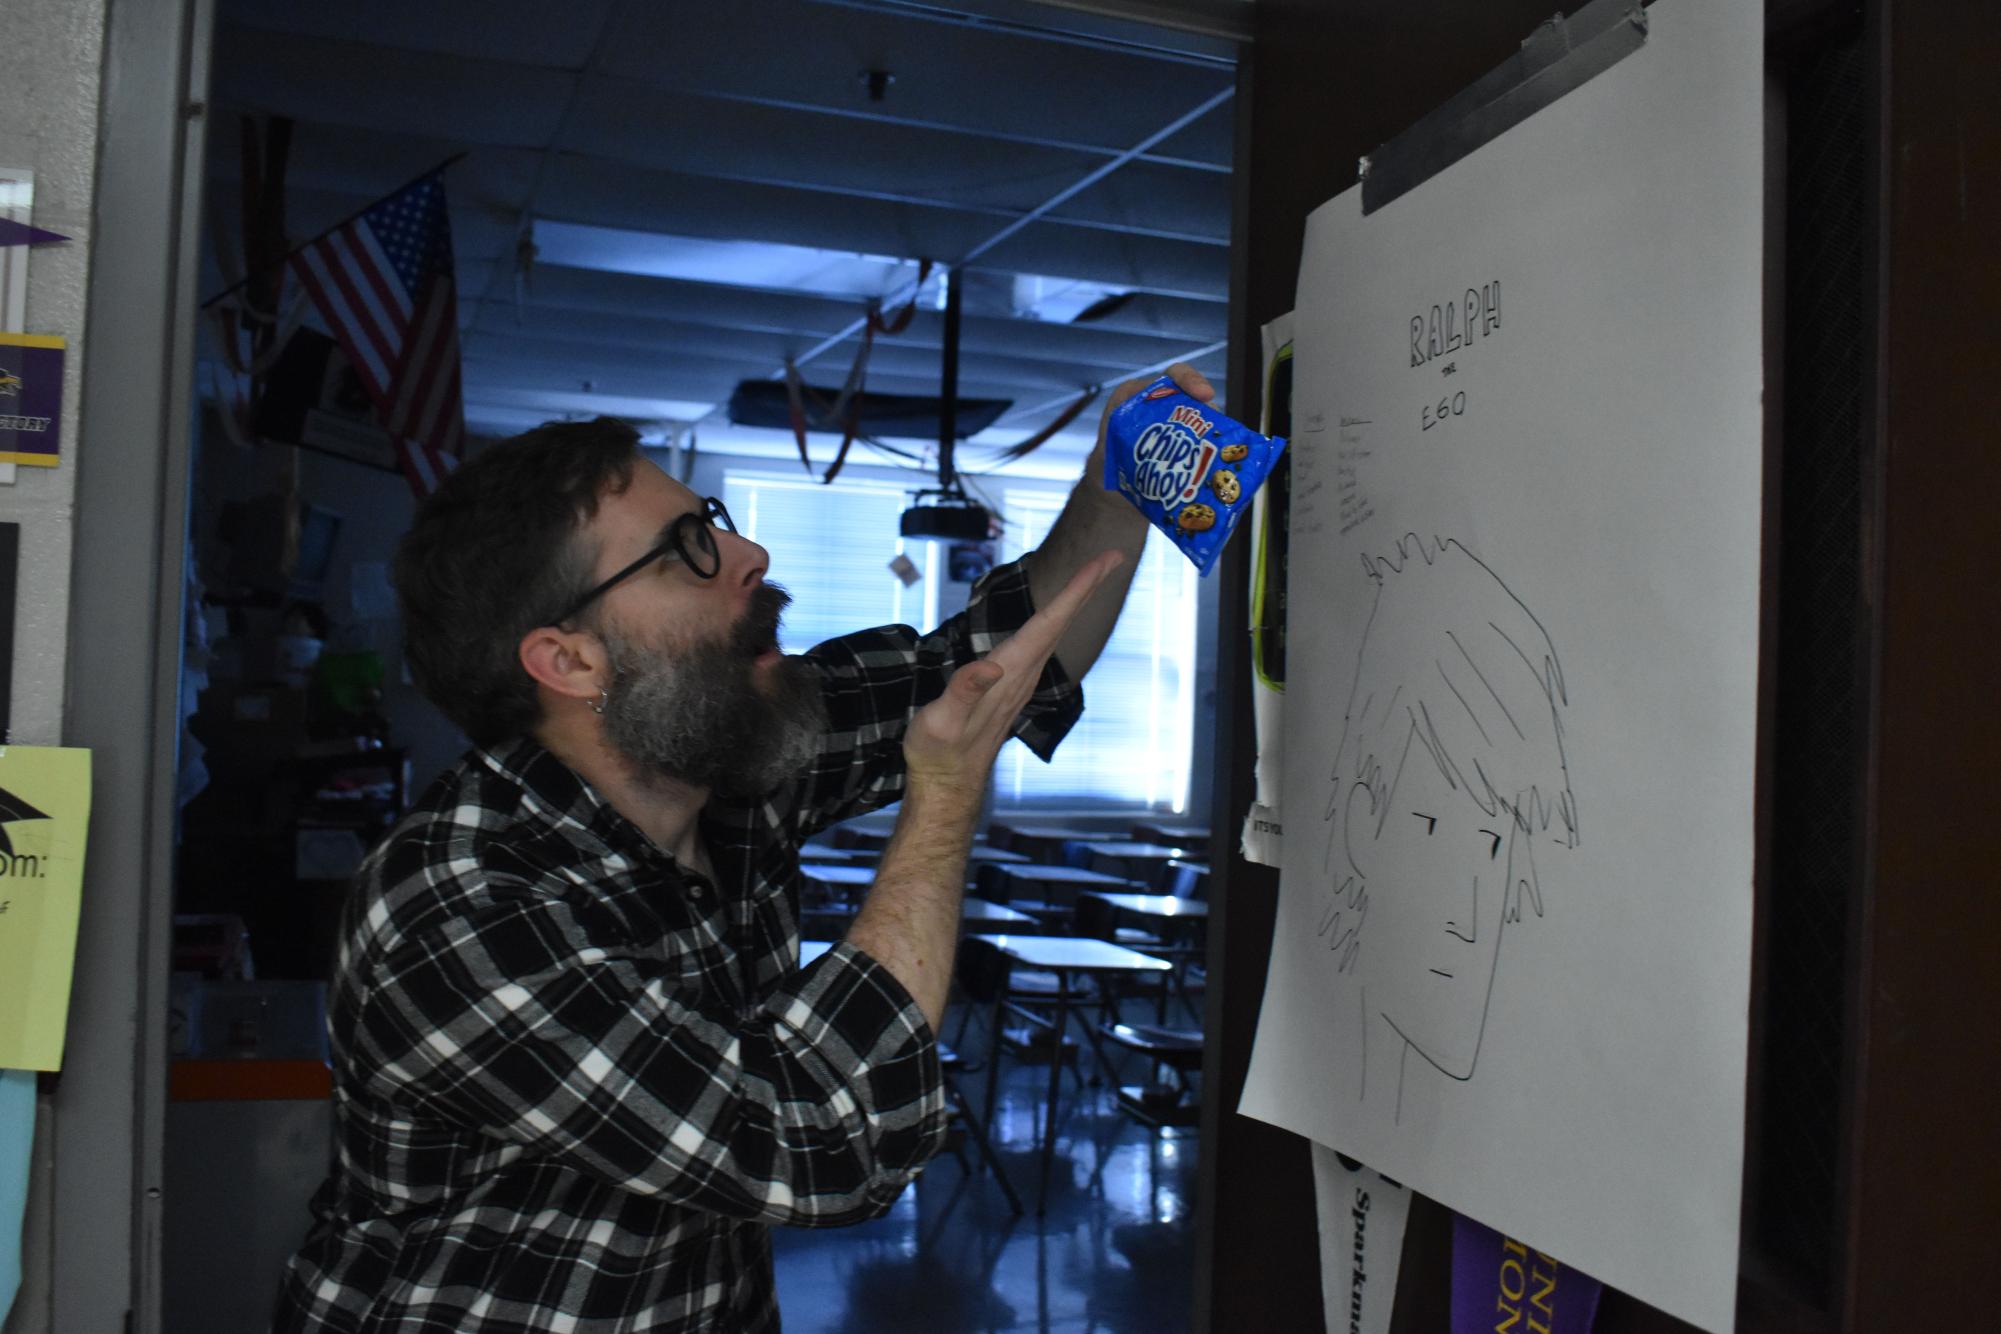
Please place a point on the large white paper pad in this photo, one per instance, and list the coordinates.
(1511, 962)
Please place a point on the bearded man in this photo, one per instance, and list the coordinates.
(578, 1070)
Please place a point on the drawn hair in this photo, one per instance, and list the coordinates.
(1454, 662)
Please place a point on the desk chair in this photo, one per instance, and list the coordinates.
(1183, 879)
(989, 981)
(1096, 917)
(1179, 1050)
(967, 1126)
(1188, 880)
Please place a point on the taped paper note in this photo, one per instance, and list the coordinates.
(44, 813)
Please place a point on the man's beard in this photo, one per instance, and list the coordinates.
(697, 715)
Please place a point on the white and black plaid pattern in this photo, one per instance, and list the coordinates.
(575, 1082)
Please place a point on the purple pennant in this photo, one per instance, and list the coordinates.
(1500, 1286)
(20, 233)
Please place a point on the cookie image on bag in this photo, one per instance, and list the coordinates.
(1235, 453)
(1196, 519)
(1224, 483)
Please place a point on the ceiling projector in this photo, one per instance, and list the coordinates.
(949, 516)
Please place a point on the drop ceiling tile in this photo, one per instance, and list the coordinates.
(634, 122)
(521, 31)
(992, 80)
(362, 86)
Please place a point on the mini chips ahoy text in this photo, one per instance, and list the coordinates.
(1191, 471)
(1170, 458)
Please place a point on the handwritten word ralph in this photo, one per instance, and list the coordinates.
(1453, 325)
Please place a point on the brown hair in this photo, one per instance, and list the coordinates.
(495, 552)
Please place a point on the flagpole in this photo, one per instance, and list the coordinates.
(243, 282)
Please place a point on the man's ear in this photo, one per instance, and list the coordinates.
(568, 662)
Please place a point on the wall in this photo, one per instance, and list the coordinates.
(103, 97)
(49, 68)
(48, 122)
(1915, 1185)
(1924, 1204)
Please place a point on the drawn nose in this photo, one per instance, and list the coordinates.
(1468, 930)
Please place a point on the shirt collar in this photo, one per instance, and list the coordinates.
(557, 798)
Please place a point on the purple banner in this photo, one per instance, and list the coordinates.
(1500, 1286)
(31, 399)
(20, 233)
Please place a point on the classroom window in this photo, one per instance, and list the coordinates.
(1134, 744)
(831, 547)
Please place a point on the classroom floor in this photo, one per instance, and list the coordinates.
(1114, 1253)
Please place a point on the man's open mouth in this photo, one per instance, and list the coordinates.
(757, 633)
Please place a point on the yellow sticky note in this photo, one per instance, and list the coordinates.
(44, 813)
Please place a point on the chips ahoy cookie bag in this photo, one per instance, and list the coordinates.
(1189, 469)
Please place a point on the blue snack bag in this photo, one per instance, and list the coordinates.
(1189, 469)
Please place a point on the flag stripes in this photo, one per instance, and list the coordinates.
(385, 285)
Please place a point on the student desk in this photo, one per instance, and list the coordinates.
(1070, 956)
(1039, 842)
(1175, 922)
(985, 853)
(826, 854)
(1194, 836)
(860, 840)
(980, 915)
(836, 891)
(1044, 892)
(1133, 861)
(1163, 914)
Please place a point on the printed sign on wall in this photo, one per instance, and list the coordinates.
(44, 814)
(31, 399)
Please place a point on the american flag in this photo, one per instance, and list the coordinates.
(384, 283)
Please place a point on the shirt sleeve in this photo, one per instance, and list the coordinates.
(511, 1021)
(876, 680)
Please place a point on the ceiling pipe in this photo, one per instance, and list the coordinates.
(1056, 200)
(948, 391)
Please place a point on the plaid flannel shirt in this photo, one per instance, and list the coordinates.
(575, 1082)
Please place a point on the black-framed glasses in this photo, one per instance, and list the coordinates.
(692, 537)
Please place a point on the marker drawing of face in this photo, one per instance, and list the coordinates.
(1451, 774)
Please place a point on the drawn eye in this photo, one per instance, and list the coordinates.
(1430, 822)
(1494, 851)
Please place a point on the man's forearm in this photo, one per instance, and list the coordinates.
(1094, 520)
(910, 923)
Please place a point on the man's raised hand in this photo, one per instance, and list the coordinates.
(953, 740)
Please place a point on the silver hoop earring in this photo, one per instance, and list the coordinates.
(603, 702)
